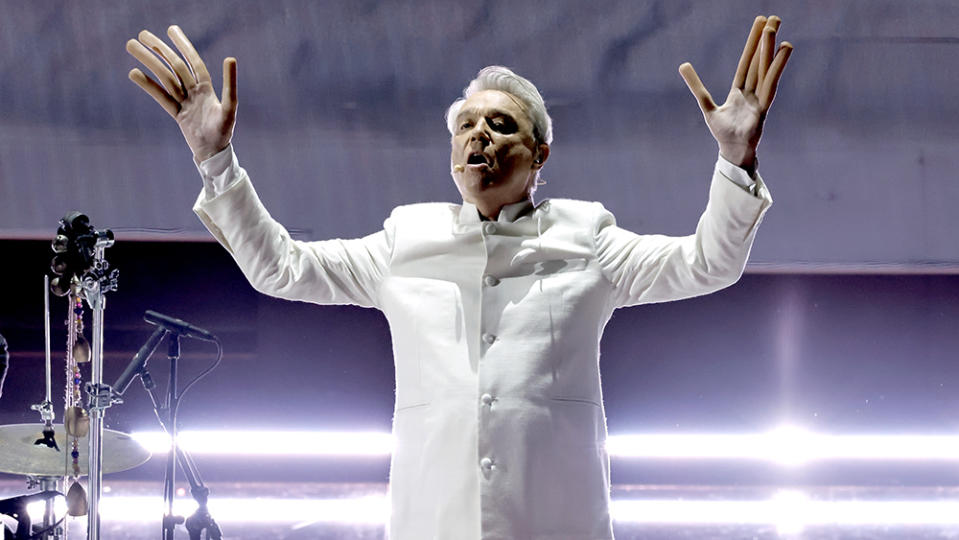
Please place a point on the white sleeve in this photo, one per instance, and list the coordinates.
(737, 175)
(218, 172)
(326, 272)
(656, 268)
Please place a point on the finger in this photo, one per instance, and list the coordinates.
(748, 51)
(768, 90)
(228, 95)
(696, 86)
(170, 105)
(189, 53)
(766, 46)
(151, 62)
(172, 59)
(749, 85)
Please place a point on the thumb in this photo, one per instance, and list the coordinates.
(228, 95)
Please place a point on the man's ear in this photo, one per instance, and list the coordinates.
(542, 154)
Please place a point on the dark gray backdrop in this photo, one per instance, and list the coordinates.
(341, 115)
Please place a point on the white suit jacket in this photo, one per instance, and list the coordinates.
(499, 424)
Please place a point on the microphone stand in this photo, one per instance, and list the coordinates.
(166, 415)
(169, 479)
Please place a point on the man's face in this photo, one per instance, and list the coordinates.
(493, 142)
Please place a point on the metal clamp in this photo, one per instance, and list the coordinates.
(45, 408)
(100, 396)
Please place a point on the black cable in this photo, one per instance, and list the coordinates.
(38, 535)
(204, 373)
(175, 406)
(179, 230)
(4, 362)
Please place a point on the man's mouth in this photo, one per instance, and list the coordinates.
(477, 160)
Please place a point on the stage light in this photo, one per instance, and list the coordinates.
(282, 443)
(373, 510)
(788, 510)
(787, 445)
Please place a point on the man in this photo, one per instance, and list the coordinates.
(496, 306)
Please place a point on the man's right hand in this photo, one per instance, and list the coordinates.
(186, 92)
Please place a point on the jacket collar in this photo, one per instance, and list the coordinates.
(508, 214)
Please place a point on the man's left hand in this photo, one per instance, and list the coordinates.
(737, 124)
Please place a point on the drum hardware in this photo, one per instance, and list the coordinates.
(84, 275)
(84, 261)
(46, 468)
(16, 507)
(45, 407)
(18, 454)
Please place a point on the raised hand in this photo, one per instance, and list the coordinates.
(184, 90)
(737, 124)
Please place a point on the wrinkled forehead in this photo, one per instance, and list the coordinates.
(486, 102)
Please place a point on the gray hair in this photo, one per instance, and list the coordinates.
(503, 79)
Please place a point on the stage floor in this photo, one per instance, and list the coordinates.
(320, 511)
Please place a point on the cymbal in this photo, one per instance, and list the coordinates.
(18, 454)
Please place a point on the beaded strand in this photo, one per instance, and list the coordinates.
(74, 378)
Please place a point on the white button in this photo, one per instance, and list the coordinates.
(489, 338)
(486, 399)
(491, 281)
(489, 227)
(486, 463)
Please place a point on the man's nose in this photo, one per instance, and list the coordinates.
(480, 133)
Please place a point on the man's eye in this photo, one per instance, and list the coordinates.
(503, 125)
(466, 125)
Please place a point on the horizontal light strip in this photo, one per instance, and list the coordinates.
(786, 445)
(789, 511)
(372, 510)
(272, 443)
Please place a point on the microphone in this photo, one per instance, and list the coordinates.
(176, 326)
(139, 361)
(4, 358)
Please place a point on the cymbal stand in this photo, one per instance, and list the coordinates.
(49, 484)
(47, 414)
(96, 283)
(45, 408)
